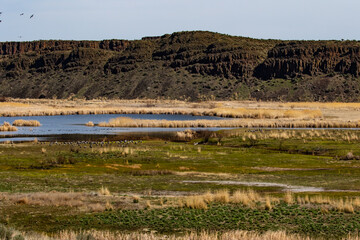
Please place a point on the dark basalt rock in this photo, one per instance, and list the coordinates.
(182, 65)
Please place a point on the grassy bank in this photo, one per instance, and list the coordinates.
(239, 123)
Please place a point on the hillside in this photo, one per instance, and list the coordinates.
(190, 65)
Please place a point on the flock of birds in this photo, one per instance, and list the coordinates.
(91, 144)
(21, 14)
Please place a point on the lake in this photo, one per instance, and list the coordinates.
(75, 124)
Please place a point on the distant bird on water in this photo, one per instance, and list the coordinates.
(32, 16)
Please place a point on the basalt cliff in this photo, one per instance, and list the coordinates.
(184, 65)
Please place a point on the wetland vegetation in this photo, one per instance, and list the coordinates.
(193, 185)
(248, 183)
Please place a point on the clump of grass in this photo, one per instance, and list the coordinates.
(343, 206)
(246, 198)
(195, 202)
(244, 123)
(26, 123)
(208, 197)
(268, 203)
(7, 127)
(49, 199)
(95, 207)
(104, 191)
(136, 199)
(90, 124)
(201, 235)
(222, 196)
(186, 135)
(240, 197)
(350, 156)
(148, 204)
(24, 200)
(109, 206)
(6, 233)
(289, 198)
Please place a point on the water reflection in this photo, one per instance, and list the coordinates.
(74, 124)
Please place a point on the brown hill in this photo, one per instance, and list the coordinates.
(195, 65)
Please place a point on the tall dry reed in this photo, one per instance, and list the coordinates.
(6, 127)
(240, 123)
(26, 123)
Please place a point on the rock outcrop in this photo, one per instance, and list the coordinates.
(194, 65)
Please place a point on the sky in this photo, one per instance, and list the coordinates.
(134, 19)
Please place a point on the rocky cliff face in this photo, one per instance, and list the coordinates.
(310, 58)
(182, 65)
(13, 48)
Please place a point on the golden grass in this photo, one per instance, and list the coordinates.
(109, 206)
(264, 113)
(6, 127)
(228, 235)
(246, 197)
(195, 202)
(268, 205)
(90, 124)
(148, 204)
(327, 105)
(13, 104)
(241, 123)
(222, 196)
(188, 134)
(350, 136)
(26, 123)
(48, 107)
(49, 199)
(289, 198)
(104, 191)
(250, 198)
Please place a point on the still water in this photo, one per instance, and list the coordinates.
(75, 124)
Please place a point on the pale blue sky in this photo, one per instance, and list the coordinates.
(133, 19)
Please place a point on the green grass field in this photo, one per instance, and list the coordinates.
(160, 173)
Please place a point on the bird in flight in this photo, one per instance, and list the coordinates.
(32, 16)
(22, 14)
